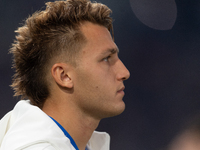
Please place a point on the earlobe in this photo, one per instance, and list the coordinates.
(61, 75)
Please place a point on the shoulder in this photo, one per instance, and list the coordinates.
(39, 146)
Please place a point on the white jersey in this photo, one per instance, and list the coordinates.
(27, 127)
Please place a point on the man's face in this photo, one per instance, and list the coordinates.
(99, 75)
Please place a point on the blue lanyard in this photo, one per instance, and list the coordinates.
(66, 134)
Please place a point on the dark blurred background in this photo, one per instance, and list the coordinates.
(159, 42)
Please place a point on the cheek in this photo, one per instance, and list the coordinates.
(93, 87)
(95, 79)
(85, 82)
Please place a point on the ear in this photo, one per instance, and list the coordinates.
(61, 74)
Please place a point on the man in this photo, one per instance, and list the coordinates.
(67, 65)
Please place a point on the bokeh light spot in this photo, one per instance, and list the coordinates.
(156, 14)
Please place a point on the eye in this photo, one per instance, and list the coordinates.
(107, 58)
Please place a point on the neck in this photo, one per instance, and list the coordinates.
(79, 125)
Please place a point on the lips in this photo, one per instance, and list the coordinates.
(121, 90)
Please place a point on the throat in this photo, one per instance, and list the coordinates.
(79, 139)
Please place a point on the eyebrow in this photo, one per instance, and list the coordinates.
(112, 51)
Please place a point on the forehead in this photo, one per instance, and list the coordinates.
(97, 37)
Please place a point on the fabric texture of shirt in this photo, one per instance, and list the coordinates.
(27, 127)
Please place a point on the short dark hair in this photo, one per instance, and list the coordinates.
(48, 34)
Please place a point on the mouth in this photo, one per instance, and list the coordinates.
(121, 91)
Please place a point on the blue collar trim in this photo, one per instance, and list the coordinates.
(66, 134)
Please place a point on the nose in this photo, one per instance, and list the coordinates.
(123, 73)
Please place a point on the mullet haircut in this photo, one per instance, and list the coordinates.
(46, 35)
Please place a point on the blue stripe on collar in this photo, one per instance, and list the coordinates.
(66, 134)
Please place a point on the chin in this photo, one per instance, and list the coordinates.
(120, 111)
(117, 110)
